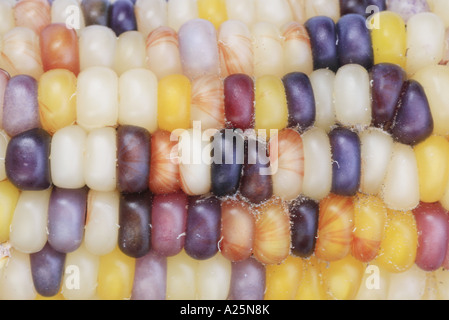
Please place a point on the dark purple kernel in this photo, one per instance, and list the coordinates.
(27, 160)
(413, 122)
(122, 17)
(354, 41)
(300, 100)
(362, 7)
(387, 80)
(304, 226)
(256, 184)
(133, 158)
(346, 161)
(134, 238)
(203, 227)
(47, 269)
(226, 168)
(323, 40)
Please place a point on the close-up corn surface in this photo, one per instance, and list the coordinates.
(224, 150)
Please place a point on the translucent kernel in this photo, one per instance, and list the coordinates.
(400, 189)
(235, 48)
(435, 80)
(407, 285)
(115, 276)
(174, 96)
(432, 157)
(28, 231)
(335, 227)
(57, 99)
(213, 278)
(9, 195)
(162, 52)
(181, 277)
(272, 233)
(389, 38)
(276, 12)
(129, 51)
(268, 50)
(150, 15)
(20, 52)
(287, 156)
(271, 111)
(398, 247)
(370, 216)
(85, 264)
(343, 278)
(311, 286)
(425, 40)
(7, 16)
(16, 282)
(59, 48)
(282, 280)
(212, 10)
(32, 14)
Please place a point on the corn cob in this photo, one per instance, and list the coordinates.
(402, 217)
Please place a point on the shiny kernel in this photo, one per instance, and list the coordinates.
(432, 157)
(335, 227)
(370, 216)
(174, 96)
(343, 278)
(271, 111)
(398, 247)
(115, 276)
(212, 10)
(272, 233)
(57, 99)
(282, 280)
(311, 286)
(9, 195)
(388, 38)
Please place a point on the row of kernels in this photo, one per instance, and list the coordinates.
(233, 48)
(349, 279)
(398, 250)
(181, 277)
(60, 99)
(74, 158)
(116, 277)
(369, 146)
(145, 16)
(152, 14)
(396, 193)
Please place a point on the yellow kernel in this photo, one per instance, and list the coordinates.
(343, 278)
(213, 10)
(389, 38)
(174, 97)
(335, 226)
(9, 195)
(57, 99)
(398, 247)
(432, 157)
(271, 111)
(370, 216)
(311, 285)
(282, 280)
(115, 276)
(272, 233)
